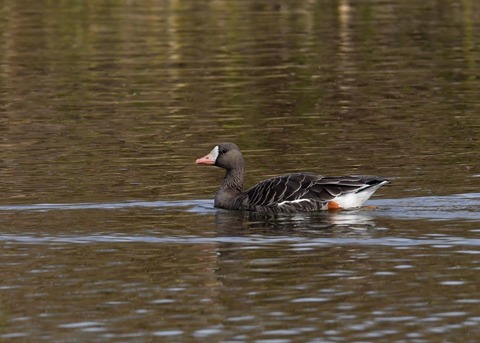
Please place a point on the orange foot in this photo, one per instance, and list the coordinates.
(369, 208)
(333, 206)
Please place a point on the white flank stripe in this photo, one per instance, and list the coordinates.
(292, 202)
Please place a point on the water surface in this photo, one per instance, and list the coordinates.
(107, 228)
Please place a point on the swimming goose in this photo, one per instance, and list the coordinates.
(297, 192)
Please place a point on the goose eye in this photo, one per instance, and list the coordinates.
(224, 151)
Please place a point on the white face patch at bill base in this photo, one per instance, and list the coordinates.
(214, 154)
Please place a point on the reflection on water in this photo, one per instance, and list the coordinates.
(110, 102)
(148, 269)
(105, 105)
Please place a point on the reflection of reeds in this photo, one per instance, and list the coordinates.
(110, 100)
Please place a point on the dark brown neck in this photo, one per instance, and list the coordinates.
(233, 180)
(231, 189)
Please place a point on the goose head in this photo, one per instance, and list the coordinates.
(224, 155)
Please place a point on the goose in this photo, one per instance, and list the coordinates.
(296, 192)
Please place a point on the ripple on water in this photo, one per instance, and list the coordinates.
(78, 325)
(167, 333)
(458, 206)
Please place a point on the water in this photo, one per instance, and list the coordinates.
(182, 270)
(107, 229)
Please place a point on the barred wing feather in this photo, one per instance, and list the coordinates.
(293, 188)
(281, 188)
